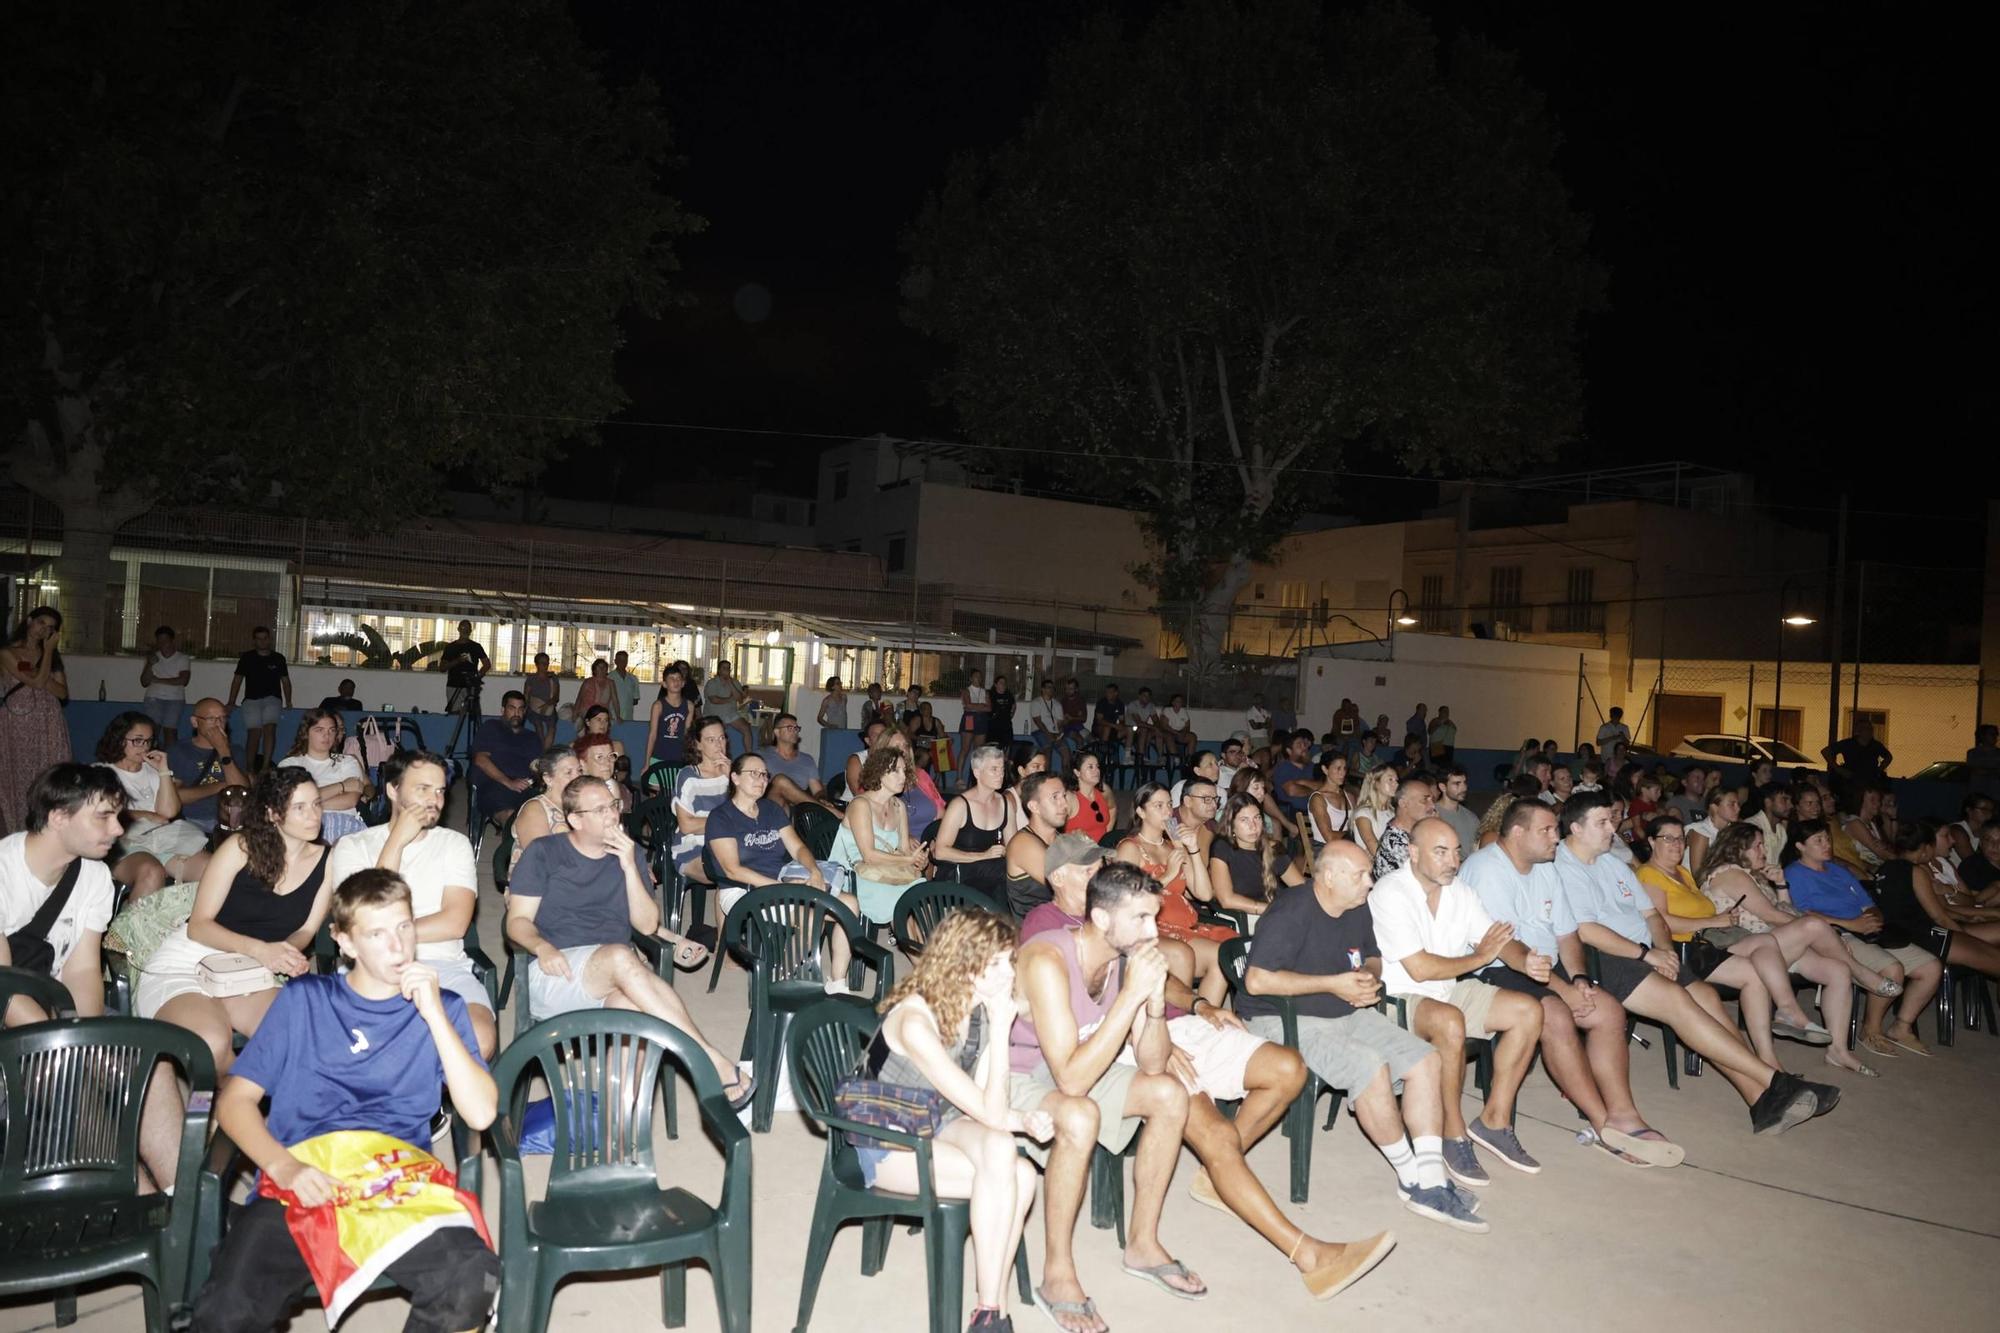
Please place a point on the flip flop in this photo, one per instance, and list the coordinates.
(1615, 1154)
(1918, 1049)
(1083, 1309)
(689, 955)
(746, 1081)
(1859, 1067)
(1655, 1151)
(1159, 1273)
(1879, 1046)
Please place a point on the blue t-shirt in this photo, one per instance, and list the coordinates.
(1605, 891)
(760, 841)
(1833, 891)
(1286, 771)
(513, 752)
(583, 900)
(332, 1060)
(192, 766)
(670, 742)
(1525, 902)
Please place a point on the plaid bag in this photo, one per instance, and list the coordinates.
(891, 1106)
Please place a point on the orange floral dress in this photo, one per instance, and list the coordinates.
(1177, 916)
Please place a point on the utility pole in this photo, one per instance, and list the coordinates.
(1458, 566)
(1834, 627)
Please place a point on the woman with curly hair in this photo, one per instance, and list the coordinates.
(264, 894)
(944, 1028)
(874, 840)
(158, 847)
(343, 785)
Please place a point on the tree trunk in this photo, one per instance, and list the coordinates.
(1209, 618)
(68, 472)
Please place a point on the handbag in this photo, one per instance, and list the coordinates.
(368, 745)
(29, 946)
(222, 975)
(891, 1106)
(1704, 957)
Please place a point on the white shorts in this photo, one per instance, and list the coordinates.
(456, 976)
(549, 996)
(1220, 1056)
(170, 973)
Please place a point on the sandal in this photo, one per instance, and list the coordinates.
(689, 954)
(1617, 1154)
(1159, 1273)
(1912, 1043)
(1058, 1310)
(745, 1080)
(1879, 1045)
(1858, 1067)
(1658, 1150)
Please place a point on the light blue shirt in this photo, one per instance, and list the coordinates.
(1605, 891)
(1525, 902)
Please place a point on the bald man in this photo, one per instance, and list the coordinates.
(1435, 936)
(1322, 954)
(203, 762)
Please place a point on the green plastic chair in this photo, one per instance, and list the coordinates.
(604, 1210)
(1479, 1050)
(817, 827)
(40, 987)
(924, 905)
(70, 1206)
(1297, 1125)
(782, 930)
(826, 1044)
(660, 776)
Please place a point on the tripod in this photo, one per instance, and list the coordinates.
(462, 701)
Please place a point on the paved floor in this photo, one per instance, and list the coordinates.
(1885, 1214)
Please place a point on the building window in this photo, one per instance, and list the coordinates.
(1504, 595)
(899, 544)
(840, 482)
(1433, 616)
(1580, 612)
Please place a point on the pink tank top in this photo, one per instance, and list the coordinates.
(1024, 1048)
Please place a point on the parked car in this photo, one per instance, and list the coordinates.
(1741, 750)
(1944, 770)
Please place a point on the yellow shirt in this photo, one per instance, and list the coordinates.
(1683, 898)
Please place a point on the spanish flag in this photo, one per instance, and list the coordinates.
(393, 1196)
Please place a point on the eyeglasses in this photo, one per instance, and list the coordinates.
(1211, 800)
(138, 740)
(591, 810)
(754, 773)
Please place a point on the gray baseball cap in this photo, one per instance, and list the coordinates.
(1072, 849)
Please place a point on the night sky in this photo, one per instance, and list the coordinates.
(1778, 190)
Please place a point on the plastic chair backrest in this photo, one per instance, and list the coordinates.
(817, 826)
(783, 927)
(826, 1044)
(660, 778)
(602, 1068)
(74, 1088)
(43, 989)
(1234, 956)
(923, 906)
(654, 829)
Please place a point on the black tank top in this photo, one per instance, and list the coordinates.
(987, 876)
(252, 909)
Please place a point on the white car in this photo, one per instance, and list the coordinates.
(1739, 750)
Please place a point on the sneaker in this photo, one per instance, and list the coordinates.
(1461, 1163)
(1463, 1195)
(441, 1126)
(1504, 1144)
(1787, 1102)
(1825, 1096)
(1441, 1203)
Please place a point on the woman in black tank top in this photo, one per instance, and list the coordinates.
(974, 850)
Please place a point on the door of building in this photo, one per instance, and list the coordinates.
(1684, 715)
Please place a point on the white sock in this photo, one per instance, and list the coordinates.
(1429, 1149)
(1404, 1161)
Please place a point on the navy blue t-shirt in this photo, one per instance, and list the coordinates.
(1286, 771)
(193, 766)
(513, 752)
(331, 1060)
(760, 842)
(583, 899)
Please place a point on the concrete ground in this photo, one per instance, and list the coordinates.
(1884, 1214)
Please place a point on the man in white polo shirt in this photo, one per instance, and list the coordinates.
(1434, 936)
(437, 864)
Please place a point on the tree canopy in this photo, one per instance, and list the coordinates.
(1241, 246)
(256, 246)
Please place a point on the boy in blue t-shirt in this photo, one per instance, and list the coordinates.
(368, 1050)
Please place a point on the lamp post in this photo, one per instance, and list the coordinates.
(1394, 620)
(1788, 615)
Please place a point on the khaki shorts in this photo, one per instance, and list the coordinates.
(1876, 958)
(1026, 1092)
(1475, 999)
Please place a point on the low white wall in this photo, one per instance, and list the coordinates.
(1208, 723)
(1498, 692)
(390, 691)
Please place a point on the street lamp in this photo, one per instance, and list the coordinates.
(1790, 615)
(1405, 619)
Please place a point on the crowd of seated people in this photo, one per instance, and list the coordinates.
(1091, 1003)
